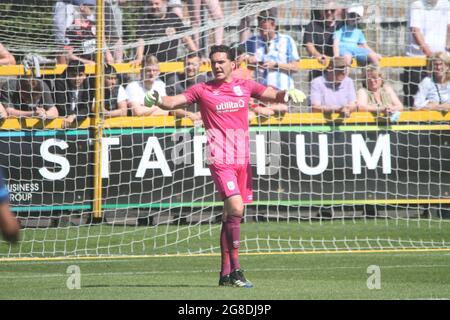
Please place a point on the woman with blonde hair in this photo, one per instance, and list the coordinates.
(377, 96)
(434, 90)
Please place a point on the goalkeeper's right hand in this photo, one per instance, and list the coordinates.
(152, 98)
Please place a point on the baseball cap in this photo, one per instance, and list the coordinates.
(337, 63)
(356, 8)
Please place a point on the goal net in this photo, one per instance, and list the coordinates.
(131, 180)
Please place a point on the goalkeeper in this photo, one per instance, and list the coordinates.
(9, 226)
(224, 109)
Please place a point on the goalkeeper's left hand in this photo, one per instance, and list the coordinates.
(152, 98)
(294, 95)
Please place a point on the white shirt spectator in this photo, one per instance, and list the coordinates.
(430, 91)
(136, 91)
(433, 22)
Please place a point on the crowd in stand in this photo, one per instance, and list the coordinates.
(333, 37)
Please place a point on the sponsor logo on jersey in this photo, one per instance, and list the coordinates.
(216, 93)
(230, 106)
(238, 91)
(230, 185)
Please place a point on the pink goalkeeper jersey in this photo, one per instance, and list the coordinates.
(224, 110)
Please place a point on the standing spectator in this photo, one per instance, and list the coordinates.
(334, 91)
(116, 99)
(6, 58)
(429, 32)
(377, 96)
(72, 94)
(349, 41)
(28, 97)
(63, 18)
(274, 56)
(245, 31)
(158, 23)
(179, 82)
(149, 81)
(114, 27)
(215, 11)
(318, 35)
(434, 90)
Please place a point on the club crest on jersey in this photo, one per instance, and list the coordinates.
(238, 91)
(230, 185)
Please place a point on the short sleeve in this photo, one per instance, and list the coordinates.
(256, 89)
(416, 16)
(122, 95)
(293, 51)
(361, 38)
(337, 34)
(193, 94)
(250, 45)
(316, 95)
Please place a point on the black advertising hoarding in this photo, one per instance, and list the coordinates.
(292, 165)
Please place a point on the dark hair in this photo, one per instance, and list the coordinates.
(109, 69)
(191, 55)
(75, 66)
(231, 53)
(30, 85)
(269, 14)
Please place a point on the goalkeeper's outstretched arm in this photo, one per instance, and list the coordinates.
(153, 98)
(283, 96)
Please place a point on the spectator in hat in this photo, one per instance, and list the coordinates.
(349, 41)
(334, 91)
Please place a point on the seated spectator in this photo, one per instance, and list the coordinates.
(6, 58)
(149, 81)
(72, 95)
(377, 96)
(318, 35)
(177, 83)
(349, 41)
(434, 90)
(275, 57)
(3, 113)
(28, 97)
(116, 99)
(334, 91)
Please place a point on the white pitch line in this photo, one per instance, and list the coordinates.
(21, 275)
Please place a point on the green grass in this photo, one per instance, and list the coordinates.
(276, 273)
(292, 276)
(203, 238)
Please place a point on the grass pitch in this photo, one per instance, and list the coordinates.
(278, 274)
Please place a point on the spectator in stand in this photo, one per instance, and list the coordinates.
(3, 113)
(116, 99)
(63, 18)
(215, 12)
(349, 41)
(159, 23)
(177, 83)
(275, 57)
(149, 81)
(245, 31)
(434, 90)
(377, 96)
(114, 27)
(429, 32)
(72, 95)
(28, 97)
(6, 58)
(318, 35)
(334, 91)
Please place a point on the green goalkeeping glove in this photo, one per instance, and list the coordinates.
(294, 95)
(152, 97)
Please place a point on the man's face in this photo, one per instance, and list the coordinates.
(76, 78)
(110, 80)
(192, 67)
(158, 8)
(151, 72)
(221, 66)
(266, 28)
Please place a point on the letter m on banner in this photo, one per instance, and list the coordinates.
(382, 149)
